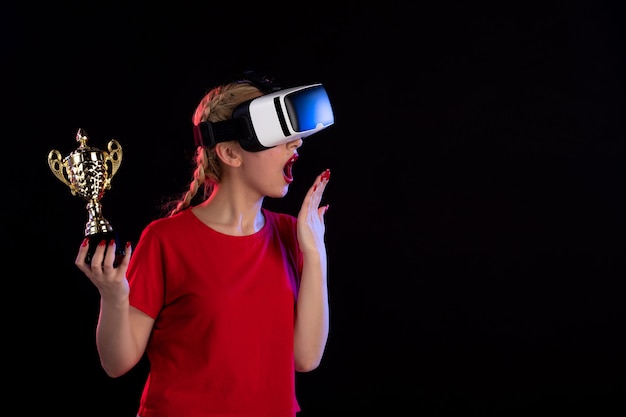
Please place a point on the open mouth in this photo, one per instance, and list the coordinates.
(288, 168)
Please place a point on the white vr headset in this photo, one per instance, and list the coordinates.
(269, 120)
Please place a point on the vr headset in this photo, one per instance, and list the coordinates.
(277, 117)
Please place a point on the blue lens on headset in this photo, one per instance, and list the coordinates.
(309, 109)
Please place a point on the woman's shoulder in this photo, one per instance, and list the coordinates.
(283, 222)
(278, 217)
(172, 222)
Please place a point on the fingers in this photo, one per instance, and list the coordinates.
(109, 256)
(311, 227)
(82, 254)
(105, 256)
(317, 191)
(126, 258)
(318, 187)
(311, 210)
(97, 259)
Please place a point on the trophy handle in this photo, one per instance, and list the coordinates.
(115, 155)
(58, 167)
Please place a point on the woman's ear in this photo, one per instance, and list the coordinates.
(229, 153)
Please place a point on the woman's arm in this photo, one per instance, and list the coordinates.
(312, 308)
(122, 331)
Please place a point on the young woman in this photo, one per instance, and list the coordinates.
(226, 298)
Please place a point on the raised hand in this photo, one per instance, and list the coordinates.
(311, 226)
(109, 279)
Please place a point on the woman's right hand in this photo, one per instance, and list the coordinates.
(110, 280)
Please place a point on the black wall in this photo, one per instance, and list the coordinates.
(478, 213)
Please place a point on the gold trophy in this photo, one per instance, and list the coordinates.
(88, 172)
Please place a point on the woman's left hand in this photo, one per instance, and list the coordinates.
(311, 226)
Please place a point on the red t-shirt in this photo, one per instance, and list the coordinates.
(222, 342)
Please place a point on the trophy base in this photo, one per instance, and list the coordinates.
(96, 238)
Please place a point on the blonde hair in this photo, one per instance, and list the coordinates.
(217, 105)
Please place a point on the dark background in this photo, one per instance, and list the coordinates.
(476, 234)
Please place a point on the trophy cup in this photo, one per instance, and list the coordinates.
(88, 172)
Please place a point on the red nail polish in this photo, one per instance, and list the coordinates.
(85, 242)
(326, 175)
(127, 245)
(102, 243)
(315, 187)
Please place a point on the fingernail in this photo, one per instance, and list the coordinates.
(326, 175)
(85, 242)
(127, 245)
(102, 243)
